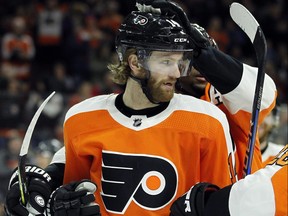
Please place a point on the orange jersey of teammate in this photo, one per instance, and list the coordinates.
(263, 193)
(237, 105)
(142, 164)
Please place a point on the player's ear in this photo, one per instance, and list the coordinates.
(134, 65)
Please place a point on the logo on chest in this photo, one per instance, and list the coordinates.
(137, 122)
(148, 181)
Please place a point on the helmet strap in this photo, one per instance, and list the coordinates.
(144, 86)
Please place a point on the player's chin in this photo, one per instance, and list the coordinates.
(164, 96)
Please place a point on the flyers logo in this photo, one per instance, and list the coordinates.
(148, 181)
(141, 20)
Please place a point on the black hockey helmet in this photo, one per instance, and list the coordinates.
(146, 31)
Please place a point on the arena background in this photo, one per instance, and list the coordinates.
(71, 43)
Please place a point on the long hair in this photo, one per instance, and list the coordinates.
(121, 70)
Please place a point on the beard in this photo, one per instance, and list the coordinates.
(158, 91)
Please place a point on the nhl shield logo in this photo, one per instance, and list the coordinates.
(137, 122)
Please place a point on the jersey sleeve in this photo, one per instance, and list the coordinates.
(56, 168)
(221, 70)
(76, 167)
(241, 98)
(56, 171)
(262, 193)
(237, 105)
(222, 156)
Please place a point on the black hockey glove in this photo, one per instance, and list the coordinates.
(38, 188)
(167, 7)
(146, 6)
(73, 199)
(193, 202)
(205, 35)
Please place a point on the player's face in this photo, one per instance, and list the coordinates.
(194, 83)
(164, 69)
(197, 79)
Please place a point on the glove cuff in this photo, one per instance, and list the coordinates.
(30, 171)
(193, 202)
(200, 194)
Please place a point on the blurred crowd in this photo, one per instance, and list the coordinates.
(65, 46)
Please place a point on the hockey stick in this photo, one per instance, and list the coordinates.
(24, 151)
(245, 20)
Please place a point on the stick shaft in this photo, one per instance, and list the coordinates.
(246, 21)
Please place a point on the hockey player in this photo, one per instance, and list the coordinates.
(232, 90)
(263, 193)
(60, 156)
(143, 148)
(227, 83)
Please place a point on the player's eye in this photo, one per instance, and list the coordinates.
(166, 62)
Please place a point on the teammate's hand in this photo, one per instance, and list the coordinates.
(38, 188)
(198, 35)
(205, 34)
(192, 203)
(75, 198)
(146, 6)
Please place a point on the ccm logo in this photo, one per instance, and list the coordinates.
(180, 40)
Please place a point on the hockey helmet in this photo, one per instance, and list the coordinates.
(146, 31)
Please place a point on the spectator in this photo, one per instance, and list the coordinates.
(17, 51)
(11, 102)
(49, 36)
(61, 81)
(216, 31)
(9, 157)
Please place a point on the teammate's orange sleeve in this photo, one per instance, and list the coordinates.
(237, 105)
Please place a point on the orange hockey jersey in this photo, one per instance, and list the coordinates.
(141, 165)
(21, 46)
(263, 193)
(237, 105)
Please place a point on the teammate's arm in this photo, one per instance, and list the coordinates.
(221, 70)
(262, 193)
(226, 74)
